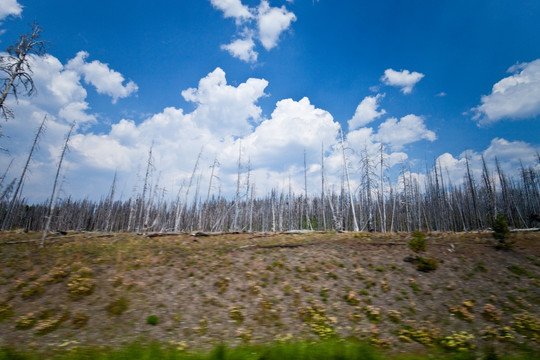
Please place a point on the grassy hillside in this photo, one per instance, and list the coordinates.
(195, 292)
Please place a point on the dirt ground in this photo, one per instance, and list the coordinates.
(101, 289)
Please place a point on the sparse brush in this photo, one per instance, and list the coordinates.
(6, 311)
(79, 320)
(426, 264)
(117, 306)
(26, 322)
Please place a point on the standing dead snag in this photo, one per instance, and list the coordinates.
(5, 223)
(237, 197)
(52, 200)
(346, 167)
(16, 68)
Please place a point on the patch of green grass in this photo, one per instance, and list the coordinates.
(519, 271)
(534, 260)
(281, 350)
(331, 275)
(324, 294)
(415, 287)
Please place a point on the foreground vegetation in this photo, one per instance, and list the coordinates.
(344, 350)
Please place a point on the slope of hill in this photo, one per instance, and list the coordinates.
(197, 291)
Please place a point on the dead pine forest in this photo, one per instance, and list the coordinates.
(409, 265)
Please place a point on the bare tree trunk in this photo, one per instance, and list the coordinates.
(383, 220)
(184, 205)
(246, 196)
(323, 197)
(141, 217)
(366, 165)
(273, 205)
(355, 222)
(133, 204)
(10, 186)
(237, 197)
(290, 205)
(205, 206)
(472, 188)
(308, 221)
(53, 193)
(492, 208)
(5, 223)
(110, 200)
(251, 208)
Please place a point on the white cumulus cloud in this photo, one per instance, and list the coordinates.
(294, 126)
(408, 129)
(514, 97)
(511, 151)
(233, 8)
(105, 80)
(225, 108)
(263, 23)
(9, 8)
(272, 21)
(403, 79)
(366, 112)
(242, 49)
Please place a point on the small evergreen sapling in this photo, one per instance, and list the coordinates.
(501, 232)
(418, 245)
(418, 242)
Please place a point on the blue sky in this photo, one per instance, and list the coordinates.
(430, 80)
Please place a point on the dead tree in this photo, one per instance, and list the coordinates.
(346, 167)
(5, 223)
(237, 197)
(367, 181)
(489, 189)
(178, 217)
(382, 204)
(52, 200)
(322, 188)
(16, 69)
(149, 167)
(308, 221)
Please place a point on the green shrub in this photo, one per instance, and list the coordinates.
(117, 306)
(501, 232)
(426, 264)
(418, 242)
(152, 320)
